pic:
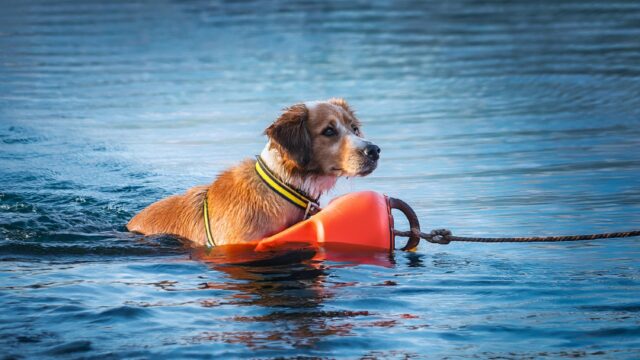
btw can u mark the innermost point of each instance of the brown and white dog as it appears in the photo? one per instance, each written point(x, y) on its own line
point(310, 145)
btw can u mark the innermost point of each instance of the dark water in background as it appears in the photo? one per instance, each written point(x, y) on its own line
point(495, 118)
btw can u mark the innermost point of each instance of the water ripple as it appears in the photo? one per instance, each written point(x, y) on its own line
point(495, 118)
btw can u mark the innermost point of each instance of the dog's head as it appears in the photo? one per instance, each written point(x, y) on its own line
point(323, 138)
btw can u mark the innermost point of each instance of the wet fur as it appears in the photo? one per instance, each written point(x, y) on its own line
point(241, 207)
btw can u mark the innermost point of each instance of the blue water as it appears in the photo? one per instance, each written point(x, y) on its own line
point(494, 118)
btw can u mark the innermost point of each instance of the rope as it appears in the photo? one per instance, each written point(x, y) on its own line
point(444, 236)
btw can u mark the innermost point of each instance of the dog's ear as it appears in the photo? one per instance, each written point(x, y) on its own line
point(343, 104)
point(289, 134)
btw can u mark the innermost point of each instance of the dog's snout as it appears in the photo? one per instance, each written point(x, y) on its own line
point(372, 151)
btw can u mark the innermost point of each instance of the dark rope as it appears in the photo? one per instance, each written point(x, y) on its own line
point(443, 237)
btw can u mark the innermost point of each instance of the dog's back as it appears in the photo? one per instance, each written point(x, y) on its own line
point(241, 208)
point(177, 215)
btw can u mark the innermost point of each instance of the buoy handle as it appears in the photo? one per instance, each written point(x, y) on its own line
point(414, 223)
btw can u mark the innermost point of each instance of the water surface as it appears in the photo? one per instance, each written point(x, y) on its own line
point(495, 118)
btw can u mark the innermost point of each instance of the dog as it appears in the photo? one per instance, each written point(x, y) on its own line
point(309, 147)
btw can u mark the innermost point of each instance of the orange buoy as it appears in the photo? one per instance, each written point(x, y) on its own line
point(361, 218)
point(359, 222)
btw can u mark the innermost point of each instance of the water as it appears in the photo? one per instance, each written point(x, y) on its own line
point(495, 118)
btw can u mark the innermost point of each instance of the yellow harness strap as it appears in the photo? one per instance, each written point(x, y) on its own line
point(310, 206)
point(210, 242)
point(295, 197)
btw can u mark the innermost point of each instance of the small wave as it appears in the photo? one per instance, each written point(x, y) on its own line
point(92, 245)
point(122, 313)
point(71, 347)
point(18, 135)
point(633, 307)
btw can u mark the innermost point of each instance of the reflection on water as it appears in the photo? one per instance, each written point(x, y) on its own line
point(296, 289)
point(495, 118)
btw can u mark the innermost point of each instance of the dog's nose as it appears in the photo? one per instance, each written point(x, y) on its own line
point(372, 151)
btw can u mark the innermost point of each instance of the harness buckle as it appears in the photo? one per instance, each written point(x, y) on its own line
point(312, 209)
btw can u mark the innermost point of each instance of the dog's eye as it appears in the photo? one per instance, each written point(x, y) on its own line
point(329, 132)
point(355, 129)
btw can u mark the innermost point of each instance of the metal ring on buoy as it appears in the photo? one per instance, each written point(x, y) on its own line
point(414, 223)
